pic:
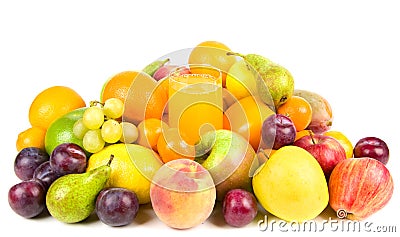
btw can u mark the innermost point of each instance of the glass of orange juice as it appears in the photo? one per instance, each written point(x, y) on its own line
point(195, 101)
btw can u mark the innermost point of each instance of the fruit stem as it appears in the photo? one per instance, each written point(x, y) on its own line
point(165, 61)
point(235, 54)
point(95, 103)
point(312, 137)
point(110, 160)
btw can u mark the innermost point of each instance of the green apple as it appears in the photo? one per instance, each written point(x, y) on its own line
point(229, 158)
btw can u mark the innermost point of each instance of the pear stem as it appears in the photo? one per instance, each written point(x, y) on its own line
point(110, 160)
point(235, 54)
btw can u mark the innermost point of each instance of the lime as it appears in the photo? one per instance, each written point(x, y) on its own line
point(61, 130)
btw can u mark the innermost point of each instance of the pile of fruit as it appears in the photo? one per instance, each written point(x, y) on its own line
point(276, 148)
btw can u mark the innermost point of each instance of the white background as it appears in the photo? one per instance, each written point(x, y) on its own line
point(347, 51)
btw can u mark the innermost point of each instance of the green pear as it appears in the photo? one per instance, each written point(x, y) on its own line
point(275, 84)
point(154, 66)
point(72, 198)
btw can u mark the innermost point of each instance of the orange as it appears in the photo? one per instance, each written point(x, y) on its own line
point(51, 104)
point(157, 100)
point(302, 133)
point(343, 140)
point(31, 137)
point(298, 110)
point(213, 53)
point(149, 131)
point(246, 117)
point(171, 146)
point(118, 86)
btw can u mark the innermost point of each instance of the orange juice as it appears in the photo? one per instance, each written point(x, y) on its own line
point(195, 102)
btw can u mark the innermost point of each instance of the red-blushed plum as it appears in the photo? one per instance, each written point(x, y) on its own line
point(45, 174)
point(372, 147)
point(239, 207)
point(27, 198)
point(278, 130)
point(27, 160)
point(68, 158)
point(117, 206)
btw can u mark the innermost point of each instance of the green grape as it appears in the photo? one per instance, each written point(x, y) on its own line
point(129, 133)
point(111, 131)
point(113, 108)
point(92, 141)
point(93, 117)
point(79, 129)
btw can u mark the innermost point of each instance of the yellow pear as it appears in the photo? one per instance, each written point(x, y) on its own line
point(291, 185)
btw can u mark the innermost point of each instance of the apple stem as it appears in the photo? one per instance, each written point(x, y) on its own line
point(312, 137)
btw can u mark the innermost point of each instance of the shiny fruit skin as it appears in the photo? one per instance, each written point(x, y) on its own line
point(27, 160)
point(68, 158)
point(27, 198)
point(239, 207)
point(46, 174)
point(116, 206)
point(359, 187)
point(326, 150)
point(278, 130)
point(372, 147)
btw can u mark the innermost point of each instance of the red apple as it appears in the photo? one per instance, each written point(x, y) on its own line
point(359, 188)
point(326, 150)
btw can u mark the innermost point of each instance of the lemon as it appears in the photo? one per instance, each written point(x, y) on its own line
point(61, 130)
point(291, 185)
point(343, 140)
point(133, 167)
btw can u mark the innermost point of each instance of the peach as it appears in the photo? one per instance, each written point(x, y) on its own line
point(182, 194)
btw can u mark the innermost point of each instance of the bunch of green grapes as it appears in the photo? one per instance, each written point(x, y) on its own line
point(99, 126)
